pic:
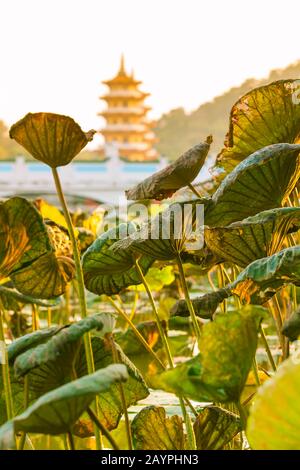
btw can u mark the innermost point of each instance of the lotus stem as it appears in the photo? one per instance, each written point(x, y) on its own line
point(26, 402)
point(49, 316)
point(35, 318)
point(80, 282)
point(5, 369)
point(102, 429)
point(255, 371)
point(136, 332)
point(188, 300)
point(116, 360)
point(186, 416)
point(155, 312)
point(133, 309)
point(243, 414)
point(71, 441)
point(194, 190)
point(267, 348)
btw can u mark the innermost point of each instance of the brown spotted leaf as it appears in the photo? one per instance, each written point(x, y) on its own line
point(267, 115)
point(46, 277)
point(254, 237)
point(23, 235)
point(215, 427)
point(51, 138)
point(153, 430)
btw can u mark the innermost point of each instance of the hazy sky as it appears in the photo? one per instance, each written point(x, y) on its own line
point(54, 53)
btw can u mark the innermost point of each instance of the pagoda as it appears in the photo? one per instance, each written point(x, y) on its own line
point(127, 130)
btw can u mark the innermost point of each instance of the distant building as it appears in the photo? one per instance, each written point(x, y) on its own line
point(128, 134)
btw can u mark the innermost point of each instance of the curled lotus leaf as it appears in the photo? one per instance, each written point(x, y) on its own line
point(204, 306)
point(262, 278)
point(176, 175)
point(254, 237)
point(107, 271)
point(262, 181)
point(51, 138)
point(266, 115)
point(169, 233)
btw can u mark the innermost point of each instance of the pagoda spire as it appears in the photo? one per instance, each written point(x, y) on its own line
point(122, 66)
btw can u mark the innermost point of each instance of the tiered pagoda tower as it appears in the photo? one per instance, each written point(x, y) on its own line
point(127, 129)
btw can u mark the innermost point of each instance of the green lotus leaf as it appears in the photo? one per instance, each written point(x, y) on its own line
point(62, 357)
point(45, 278)
point(215, 427)
point(17, 393)
point(274, 421)
point(13, 297)
point(107, 271)
point(262, 181)
point(204, 306)
point(31, 340)
point(291, 326)
point(255, 237)
point(267, 115)
point(23, 235)
point(153, 430)
point(219, 373)
point(57, 411)
point(168, 234)
point(110, 402)
point(51, 138)
point(176, 175)
point(263, 277)
point(62, 344)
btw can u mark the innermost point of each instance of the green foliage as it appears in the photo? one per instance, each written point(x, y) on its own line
point(179, 130)
point(57, 411)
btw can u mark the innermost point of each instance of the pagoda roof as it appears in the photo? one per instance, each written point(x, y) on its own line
point(122, 78)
